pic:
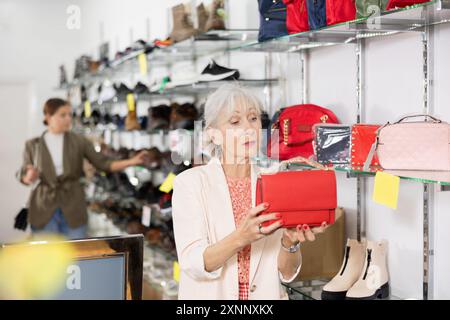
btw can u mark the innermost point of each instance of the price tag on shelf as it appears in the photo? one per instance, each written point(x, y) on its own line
point(167, 185)
point(130, 102)
point(146, 216)
point(385, 190)
point(143, 67)
point(176, 271)
point(87, 109)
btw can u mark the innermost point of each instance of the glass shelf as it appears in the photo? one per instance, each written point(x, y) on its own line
point(198, 88)
point(435, 177)
point(409, 19)
point(311, 290)
point(212, 42)
point(215, 41)
point(206, 87)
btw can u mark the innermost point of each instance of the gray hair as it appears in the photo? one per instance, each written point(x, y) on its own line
point(225, 98)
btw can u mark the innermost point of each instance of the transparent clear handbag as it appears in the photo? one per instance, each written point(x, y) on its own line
point(332, 143)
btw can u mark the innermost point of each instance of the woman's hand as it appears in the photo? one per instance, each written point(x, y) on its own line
point(31, 175)
point(140, 158)
point(250, 231)
point(302, 234)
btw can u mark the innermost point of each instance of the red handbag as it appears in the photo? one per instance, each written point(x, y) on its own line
point(296, 16)
point(392, 4)
point(291, 130)
point(340, 11)
point(302, 197)
point(363, 137)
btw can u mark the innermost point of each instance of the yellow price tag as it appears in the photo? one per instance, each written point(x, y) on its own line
point(176, 271)
point(87, 109)
point(130, 102)
point(143, 67)
point(386, 189)
point(167, 185)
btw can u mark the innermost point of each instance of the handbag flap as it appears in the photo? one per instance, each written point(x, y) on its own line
point(298, 190)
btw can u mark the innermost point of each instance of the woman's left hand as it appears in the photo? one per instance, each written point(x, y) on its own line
point(140, 158)
point(302, 233)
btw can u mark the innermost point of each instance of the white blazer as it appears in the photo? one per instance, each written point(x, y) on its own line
point(202, 215)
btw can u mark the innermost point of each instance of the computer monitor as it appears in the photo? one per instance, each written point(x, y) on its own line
point(108, 268)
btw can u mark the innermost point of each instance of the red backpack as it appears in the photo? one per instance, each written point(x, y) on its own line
point(295, 135)
point(297, 16)
point(340, 11)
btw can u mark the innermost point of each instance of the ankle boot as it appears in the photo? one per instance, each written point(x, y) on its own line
point(182, 27)
point(202, 16)
point(350, 270)
point(373, 282)
point(131, 121)
point(215, 21)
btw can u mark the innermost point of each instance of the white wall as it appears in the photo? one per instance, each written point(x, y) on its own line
point(34, 42)
point(13, 97)
point(442, 199)
point(393, 87)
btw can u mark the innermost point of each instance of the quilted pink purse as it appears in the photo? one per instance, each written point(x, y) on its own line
point(423, 145)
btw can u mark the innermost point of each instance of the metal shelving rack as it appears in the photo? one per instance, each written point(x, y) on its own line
point(418, 19)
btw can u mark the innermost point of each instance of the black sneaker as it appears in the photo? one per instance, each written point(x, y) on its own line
point(215, 72)
point(141, 88)
point(122, 90)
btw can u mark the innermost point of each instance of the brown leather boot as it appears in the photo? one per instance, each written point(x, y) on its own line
point(202, 16)
point(182, 27)
point(131, 122)
point(215, 20)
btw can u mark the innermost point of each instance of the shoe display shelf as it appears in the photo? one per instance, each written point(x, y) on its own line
point(410, 19)
point(211, 43)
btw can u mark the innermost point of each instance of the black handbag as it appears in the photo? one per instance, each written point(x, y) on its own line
point(21, 219)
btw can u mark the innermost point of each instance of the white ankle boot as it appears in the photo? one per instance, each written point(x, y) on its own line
point(349, 273)
point(373, 282)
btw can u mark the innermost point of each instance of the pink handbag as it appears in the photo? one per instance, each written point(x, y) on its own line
point(422, 145)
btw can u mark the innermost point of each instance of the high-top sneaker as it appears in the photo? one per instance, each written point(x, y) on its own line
point(373, 282)
point(350, 270)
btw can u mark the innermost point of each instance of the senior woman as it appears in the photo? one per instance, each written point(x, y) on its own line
point(223, 251)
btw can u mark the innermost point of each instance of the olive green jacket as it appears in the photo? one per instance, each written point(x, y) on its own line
point(65, 191)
